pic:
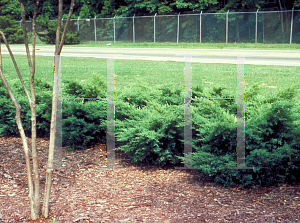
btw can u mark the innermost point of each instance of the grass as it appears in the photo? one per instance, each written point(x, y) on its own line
point(253, 46)
point(194, 45)
point(155, 73)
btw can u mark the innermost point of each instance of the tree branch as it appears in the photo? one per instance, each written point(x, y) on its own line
point(25, 35)
point(66, 27)
point(16, 66)
point(58, 27)
point(17, 105)
point(58, 49)
point(20, 127)
point(33, 36)
point(33, 120)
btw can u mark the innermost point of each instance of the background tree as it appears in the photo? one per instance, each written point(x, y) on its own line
point(11, 7)
point(34, 191)
point(12, 30)
point(109, 8)
point(49, 35)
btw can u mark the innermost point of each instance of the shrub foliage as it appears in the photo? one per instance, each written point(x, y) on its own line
point(150, 127)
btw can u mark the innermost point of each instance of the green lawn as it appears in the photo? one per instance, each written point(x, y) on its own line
point(196, 45)
point(183, 45)
point(155, 73)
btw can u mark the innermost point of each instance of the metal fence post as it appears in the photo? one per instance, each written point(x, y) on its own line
point(200, 26)
point(227, 27)
point(263, 29)
point(133, 33)
point(115, 29)
point(178, 28)
point(95, 29)
point(292, 19)
point(154, 26)
point(78, 24)
point(256, 27)
point(31, 25)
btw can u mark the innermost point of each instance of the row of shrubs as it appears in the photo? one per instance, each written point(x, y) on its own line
point(150, 127)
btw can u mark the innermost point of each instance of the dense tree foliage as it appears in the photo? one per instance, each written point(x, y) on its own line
point(12, 30)
point(271, 28)
point(109, 8)
point(50, 34)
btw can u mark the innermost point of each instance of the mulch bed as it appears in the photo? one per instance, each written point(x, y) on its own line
point(81, 192)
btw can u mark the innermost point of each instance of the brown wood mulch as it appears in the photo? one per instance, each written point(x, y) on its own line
point(81, 192)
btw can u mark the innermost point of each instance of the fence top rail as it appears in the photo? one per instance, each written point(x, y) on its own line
point(86, 19)
point(94, 18)
point(143, 16)
point(196, 14)
point(187, 14)
point(277, 11)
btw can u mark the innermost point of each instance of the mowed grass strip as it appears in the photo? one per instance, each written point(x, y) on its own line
point(155, 73)
point(245, 46)
point(194, 45)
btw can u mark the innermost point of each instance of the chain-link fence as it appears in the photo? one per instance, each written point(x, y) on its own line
point(231, 27)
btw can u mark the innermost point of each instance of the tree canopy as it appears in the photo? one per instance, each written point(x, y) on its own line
point(109, 8)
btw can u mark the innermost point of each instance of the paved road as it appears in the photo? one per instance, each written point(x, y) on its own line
point(258, 57)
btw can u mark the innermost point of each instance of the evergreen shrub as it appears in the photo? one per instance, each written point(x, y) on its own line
point(96, 87)
point(81, 122)
point(83, 125)
point(153, 135)
point(150, 127)
point(84, 122)
point(272, 129)
point(8, 125)
point(151, 130)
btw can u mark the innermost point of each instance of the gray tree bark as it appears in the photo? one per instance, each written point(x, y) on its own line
point(34, 196)
point(33, 191)
point(58, 48)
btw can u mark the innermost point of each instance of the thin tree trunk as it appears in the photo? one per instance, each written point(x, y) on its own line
point(58, 48)
point(20, 127)
point(32, 106)
point(49, 168)
point(34, 194)
point(33, 122)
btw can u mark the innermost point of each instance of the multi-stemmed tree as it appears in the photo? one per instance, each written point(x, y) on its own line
point(34, 191)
